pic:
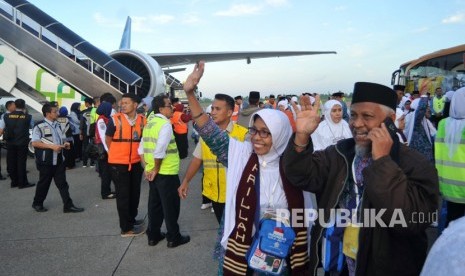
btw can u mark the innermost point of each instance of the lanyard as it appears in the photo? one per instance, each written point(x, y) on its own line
point(357, 192)
point(271, 196)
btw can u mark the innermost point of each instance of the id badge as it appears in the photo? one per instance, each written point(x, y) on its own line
point(135, 135)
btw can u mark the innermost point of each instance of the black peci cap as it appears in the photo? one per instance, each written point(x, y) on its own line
point(374, 93)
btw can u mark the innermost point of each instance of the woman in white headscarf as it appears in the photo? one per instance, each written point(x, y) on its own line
point(419, 130)
point(449, 154)
point(333, 128)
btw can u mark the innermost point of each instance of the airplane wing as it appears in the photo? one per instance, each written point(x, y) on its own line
point(177, 59)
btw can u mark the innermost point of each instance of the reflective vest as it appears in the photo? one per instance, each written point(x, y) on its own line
point(178, 124)
point(451, 170)
point(214, 173)
point(93, 115)
point(45, 156)
point(170, 164)
point(438, 104)
point(235, 114)
point(125, 141)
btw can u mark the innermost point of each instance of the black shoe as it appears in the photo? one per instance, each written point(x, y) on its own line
point(13, 186)
point(179, 241)
point(2, 177)
point(28, 185)
point(73, 209)
point(157, 240)
point(39, 208)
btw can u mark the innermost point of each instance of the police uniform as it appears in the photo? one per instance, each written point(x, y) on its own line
point(16, 135)
point(50, 163)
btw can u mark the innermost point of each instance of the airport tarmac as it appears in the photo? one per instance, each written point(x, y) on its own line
point(89, 243)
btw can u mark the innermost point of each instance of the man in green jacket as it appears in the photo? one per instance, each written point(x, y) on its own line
point(390, 191)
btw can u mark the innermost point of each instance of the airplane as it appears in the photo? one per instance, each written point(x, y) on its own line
point(73, 65)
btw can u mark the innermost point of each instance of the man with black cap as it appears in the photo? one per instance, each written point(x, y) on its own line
point(246, 113)
point(379, 183)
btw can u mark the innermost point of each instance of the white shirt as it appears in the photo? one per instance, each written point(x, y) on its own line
point(102, 128)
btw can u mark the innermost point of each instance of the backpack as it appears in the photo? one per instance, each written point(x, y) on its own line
point(270, 247)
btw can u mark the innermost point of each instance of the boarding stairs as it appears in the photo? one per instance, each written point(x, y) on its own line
point(64, 54)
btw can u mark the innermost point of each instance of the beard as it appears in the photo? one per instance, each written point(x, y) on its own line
point(363, 151)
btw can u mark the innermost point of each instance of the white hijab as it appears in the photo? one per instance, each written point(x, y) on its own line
point(455, 124)
point(270, 180)
point(410, 123)
point(329, 132)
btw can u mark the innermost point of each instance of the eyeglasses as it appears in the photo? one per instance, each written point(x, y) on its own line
point(170, 106)
point(261, 133)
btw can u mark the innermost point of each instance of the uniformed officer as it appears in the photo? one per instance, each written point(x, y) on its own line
point(10, 107)
point(48, 141)
point(123, 135)
point(16, 135)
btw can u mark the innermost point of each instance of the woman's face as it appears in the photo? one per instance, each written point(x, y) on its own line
point(336, 113)
point(261, 145)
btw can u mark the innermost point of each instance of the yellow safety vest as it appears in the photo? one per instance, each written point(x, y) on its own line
point(438, 104)
point(214, 173)
point(170, 164)
point(451, 170)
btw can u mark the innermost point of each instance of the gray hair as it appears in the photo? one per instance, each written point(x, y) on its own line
point(387, 110)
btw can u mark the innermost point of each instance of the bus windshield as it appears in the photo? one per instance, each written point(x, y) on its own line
point(444, 68)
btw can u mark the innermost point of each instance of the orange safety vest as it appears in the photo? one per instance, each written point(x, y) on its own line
point(235, 114)
point(178, 124)
point(125, 141)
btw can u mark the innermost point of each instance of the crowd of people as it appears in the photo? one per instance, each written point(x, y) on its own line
point(386, 158)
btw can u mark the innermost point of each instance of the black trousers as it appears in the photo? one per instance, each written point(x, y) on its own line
point(46, 174)
point(16, 158)
point(105, 177)
point(219, 209)
point(127, 188)
point(86, 143)
point(77, 147)
point(164, 204)
point(182, 143)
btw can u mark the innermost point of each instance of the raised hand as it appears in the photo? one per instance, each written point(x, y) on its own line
point(307, 119)
point(194, 78)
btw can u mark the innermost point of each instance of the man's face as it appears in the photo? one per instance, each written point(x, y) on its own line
point(12, 107)
point(53, 115)
point(128, 106)
point(167, 109)
point(439, 92)
point(271, 100)
point(221, 113)
point(364, 117)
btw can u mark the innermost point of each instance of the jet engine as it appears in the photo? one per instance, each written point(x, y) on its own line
point(153, 78)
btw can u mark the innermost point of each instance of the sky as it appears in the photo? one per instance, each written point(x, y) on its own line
point(371, 38)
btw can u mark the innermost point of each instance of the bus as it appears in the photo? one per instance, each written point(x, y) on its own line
point(443, 68)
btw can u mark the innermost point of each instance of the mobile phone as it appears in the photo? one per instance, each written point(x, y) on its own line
point(391, 127)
